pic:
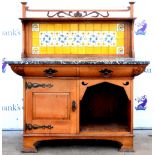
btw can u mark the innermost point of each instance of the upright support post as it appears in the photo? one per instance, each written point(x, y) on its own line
point(23, 9)
point(132, 28)
point(131, 8)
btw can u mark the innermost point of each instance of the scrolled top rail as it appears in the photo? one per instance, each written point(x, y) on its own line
point(76, 13)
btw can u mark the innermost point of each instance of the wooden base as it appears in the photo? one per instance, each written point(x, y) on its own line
point(30, 141)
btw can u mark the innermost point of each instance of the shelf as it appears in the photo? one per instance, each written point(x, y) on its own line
point(112, 127)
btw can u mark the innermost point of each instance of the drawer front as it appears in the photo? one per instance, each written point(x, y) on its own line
point(48, 106)
point(50, 71)
point(105, 71)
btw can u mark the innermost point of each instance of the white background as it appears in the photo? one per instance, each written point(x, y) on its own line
point(10, 47)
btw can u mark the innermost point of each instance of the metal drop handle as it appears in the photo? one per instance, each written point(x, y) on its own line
point(50, 72)
point(106, 72)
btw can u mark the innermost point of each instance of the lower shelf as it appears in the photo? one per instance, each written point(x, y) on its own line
point(112, 127)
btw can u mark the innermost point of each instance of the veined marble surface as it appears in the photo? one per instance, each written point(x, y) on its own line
point(78, 60)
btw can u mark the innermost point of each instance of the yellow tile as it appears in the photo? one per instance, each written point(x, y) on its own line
point(97, 50)
point(120, 42)
point(74, 27)
point(89, 50)
point(50, 50)
point(105, 27)
point(112, 50)
point(58, 50)
point(89, 27)
point(112, 27)
point(105, 50)
point(43, 50)
point(43, 27)
point(97, 27)
point(35, 42)
point(58, 27)
point(66, 50)
point(50, 27)
point(73, 50)
point(66, 27)
point(120, 34)
point(81, 50)
point(82, 27)
point(35, 34)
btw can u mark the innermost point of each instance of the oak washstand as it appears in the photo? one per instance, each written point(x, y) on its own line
point(78, 69)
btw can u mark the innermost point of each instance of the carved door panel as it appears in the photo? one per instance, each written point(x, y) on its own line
point(50, 106)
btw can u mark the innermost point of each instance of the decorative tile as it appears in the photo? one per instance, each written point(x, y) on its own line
point(62, 39)
point(77, 38)
point(35, 27)
point(109, 39)
point(35, 50)
point(93, 39)
point(120, 50)
point(46, 38)
point(88, 39)
point(120, 27)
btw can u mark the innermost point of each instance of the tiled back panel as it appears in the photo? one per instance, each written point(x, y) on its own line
point(80, 38)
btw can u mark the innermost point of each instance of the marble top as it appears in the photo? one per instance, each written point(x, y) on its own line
point(78, 61)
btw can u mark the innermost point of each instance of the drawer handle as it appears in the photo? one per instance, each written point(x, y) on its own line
point(31, 126)
point(50, 72)
point(106, 72)
point(73, 106)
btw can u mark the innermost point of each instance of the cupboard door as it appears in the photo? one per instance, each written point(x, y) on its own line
point(50, 106)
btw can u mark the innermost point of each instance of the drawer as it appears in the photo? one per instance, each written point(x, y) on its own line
point(105, 71)
point(49, 71)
